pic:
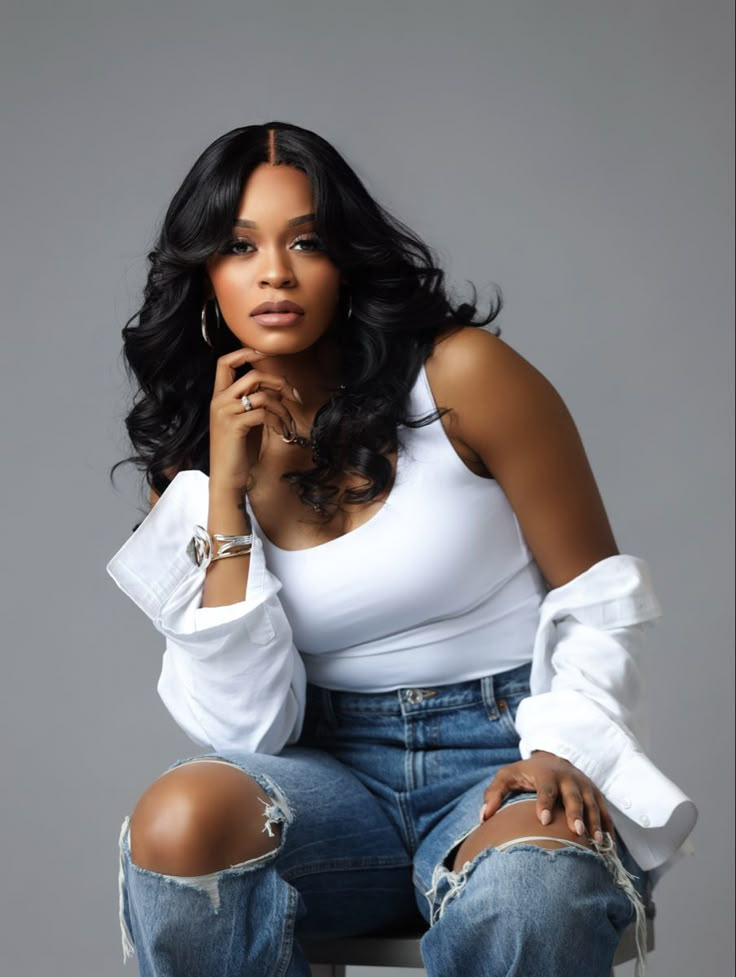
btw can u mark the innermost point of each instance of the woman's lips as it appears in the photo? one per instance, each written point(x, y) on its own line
point(278, 318)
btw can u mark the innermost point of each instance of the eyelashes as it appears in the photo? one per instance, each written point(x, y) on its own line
point(239, 246)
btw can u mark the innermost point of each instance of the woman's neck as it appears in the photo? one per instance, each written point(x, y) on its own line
point(316, 373)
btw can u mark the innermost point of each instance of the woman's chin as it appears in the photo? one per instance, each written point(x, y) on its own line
point(280, 342)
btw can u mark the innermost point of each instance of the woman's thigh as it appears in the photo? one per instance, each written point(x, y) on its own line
point(337, 849)
point(527, 909)
point(433, 862)
point(514, 903)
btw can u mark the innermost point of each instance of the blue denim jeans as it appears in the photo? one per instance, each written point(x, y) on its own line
point(373, 800)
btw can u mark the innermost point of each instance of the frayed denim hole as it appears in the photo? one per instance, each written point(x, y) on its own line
point(123, 848)
point(449, 857)
point(452, 882)
point(208, 884)
point(443, 871)
point(277, 810)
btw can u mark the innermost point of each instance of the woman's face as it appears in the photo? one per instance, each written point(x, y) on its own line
point(275, 256)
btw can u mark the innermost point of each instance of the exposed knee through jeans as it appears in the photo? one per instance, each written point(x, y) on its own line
point(520, 910)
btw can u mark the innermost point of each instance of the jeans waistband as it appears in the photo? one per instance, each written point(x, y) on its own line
point(489, 690)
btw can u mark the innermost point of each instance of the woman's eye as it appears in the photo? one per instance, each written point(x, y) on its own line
point(238, 246)
point(312, 243)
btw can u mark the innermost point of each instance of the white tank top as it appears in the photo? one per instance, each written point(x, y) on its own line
point(439, 586)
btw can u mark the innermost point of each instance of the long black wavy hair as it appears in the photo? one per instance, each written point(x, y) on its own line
point(399, 305)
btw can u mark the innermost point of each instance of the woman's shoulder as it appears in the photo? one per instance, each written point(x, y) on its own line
point(510, 417)
point(469, 365)
point(497, 401)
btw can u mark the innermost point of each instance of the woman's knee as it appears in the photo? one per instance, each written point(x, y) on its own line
point(201, 817)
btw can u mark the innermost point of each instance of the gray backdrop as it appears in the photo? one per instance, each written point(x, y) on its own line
point(577, 152)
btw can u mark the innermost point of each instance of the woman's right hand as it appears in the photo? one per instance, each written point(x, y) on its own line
point(235, 434)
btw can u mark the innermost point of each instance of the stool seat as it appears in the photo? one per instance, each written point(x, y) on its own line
point(402, 950)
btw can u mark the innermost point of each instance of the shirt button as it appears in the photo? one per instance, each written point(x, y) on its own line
point(645, 821)
point(627, 803)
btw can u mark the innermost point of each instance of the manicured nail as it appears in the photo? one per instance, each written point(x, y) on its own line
point(598, 837)
point(297, 396)
point(483, 813)
point(545, 817)
point(579, 827)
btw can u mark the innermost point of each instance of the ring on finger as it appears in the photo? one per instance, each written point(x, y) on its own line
point(245, 401)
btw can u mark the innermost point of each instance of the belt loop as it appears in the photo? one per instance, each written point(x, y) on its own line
point(489, 696)
point(328, 710)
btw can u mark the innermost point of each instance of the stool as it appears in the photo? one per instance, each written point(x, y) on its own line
point(330, 958)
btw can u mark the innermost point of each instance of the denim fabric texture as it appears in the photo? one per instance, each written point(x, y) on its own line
point(373, 800)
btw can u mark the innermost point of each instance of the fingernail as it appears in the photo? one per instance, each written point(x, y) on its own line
point(297, 396)
point(579, 827)
point(483, 813)
point(545, 817)
point(598, 837)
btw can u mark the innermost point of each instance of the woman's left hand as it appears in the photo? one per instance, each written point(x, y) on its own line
point(554, 781)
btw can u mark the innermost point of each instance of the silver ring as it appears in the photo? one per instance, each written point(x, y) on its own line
point(246, 403)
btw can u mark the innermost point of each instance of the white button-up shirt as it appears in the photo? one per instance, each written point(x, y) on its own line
point(233, 679)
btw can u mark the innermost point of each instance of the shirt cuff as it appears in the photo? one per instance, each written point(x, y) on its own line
point(155, 570)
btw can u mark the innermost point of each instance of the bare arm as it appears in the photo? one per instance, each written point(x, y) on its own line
point(514, 421)
point(508, 419)
point(234, 440)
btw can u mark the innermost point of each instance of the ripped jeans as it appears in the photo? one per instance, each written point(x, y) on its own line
point(373, 801)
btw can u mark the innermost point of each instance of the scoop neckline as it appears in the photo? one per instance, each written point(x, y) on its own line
point(421, 377)
point(337, 539)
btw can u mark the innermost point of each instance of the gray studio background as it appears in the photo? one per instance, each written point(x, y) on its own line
point(577, 152)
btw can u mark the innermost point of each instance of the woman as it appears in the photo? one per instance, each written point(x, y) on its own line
point(394, 610)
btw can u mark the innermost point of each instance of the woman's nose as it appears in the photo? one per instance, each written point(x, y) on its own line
point(277, 271)
point(277, 281)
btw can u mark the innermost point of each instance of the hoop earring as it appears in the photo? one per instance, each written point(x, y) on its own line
point(203, 321)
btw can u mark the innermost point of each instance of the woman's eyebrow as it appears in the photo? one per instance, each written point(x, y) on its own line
point(303, 219)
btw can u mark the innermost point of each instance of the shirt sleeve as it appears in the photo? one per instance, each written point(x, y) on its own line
point(587, 704)
point(231, 676)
